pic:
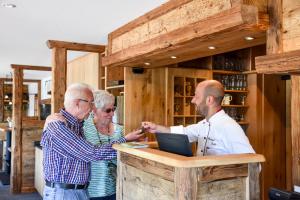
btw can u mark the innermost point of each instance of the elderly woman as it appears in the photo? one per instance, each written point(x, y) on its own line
point(99, 129)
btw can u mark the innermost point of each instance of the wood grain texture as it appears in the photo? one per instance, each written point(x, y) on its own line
point(1, 100)
point(29, 135)
point(273, 132)
point(214, 173)
point(175, 160)
point(275, 32)
point(295, 129)
point(193, 38)
point(286, 62)
point(31, 67)
point(137, 185)
point(254, 186)
point(158, 169)
point(178, 17)
point(186, 183)
point(84, 69)
point(59, 77)
point(291, 34)
point(74, 46)
point(145, 96)
point(231, 189)
point(16, 143)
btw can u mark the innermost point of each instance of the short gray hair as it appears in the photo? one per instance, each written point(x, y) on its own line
point(103, 98)
point(75, 91)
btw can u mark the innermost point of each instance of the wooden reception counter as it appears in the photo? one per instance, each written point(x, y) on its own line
point(149, 173)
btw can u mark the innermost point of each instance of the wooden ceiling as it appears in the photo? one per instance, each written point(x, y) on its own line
point(226, 30)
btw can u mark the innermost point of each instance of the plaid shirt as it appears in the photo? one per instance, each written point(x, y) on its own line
point(67, 155)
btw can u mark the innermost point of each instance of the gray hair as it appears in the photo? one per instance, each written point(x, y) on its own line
point(103, 98)
point(76, 91)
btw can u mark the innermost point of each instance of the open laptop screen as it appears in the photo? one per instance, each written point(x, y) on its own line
point(174, 143)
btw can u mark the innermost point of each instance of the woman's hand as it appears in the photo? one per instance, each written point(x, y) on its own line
point(54, 117)
point(134, 135)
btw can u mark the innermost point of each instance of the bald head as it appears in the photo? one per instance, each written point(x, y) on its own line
point(212, 88)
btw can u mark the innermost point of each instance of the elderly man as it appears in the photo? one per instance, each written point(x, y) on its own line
point(67, 155)
point(218, 133)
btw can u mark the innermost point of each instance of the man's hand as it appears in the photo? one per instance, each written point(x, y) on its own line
point(149, 127)
point(153, 128)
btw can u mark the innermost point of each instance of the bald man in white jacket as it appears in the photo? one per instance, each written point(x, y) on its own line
point(218, 133)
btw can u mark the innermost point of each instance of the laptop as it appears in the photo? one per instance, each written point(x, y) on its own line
point(174, 143)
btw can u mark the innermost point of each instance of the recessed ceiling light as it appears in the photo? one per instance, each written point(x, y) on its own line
point(146, 63)
point(211, 47)
point(173, 57)
point(10, 103)
point(6, 97)
point(249, 38)
point(8, 5)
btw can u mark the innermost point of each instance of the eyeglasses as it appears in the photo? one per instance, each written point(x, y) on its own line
point(90, 102)
point(108, 110)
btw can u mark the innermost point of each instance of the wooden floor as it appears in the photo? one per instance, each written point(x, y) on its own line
point(6, 195)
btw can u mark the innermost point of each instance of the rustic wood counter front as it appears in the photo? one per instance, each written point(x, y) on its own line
point(153, 174)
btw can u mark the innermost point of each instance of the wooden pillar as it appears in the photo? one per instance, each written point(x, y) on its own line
point(1, 100)
point(186, 183)
point(59, 78)
point(295, 119)
point(16, 143)
point(274, 32)
point(39, 100)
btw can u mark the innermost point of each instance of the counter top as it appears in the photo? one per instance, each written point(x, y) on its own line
point(183, 161)
point(4, 128)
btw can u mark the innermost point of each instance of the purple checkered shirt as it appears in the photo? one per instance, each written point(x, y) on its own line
point(67, 155)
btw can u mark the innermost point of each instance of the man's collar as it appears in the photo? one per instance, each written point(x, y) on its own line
point(216, 116)
point(70, 118)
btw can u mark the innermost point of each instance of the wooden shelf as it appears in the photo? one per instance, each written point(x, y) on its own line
point(235, 106)
point(114, 87)
point(226, 72)
point(236, 91)
point(243, 123)
point(45, 101)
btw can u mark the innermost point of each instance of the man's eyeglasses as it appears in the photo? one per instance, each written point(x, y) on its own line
point(90, 102)
point(108, 110)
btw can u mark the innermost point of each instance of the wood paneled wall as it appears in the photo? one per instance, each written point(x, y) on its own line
point(85, 69)
point(145, 97)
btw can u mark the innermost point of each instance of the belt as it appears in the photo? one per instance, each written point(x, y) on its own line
point(67, 186)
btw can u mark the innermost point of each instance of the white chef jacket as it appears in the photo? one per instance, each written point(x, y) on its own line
point(218, 136)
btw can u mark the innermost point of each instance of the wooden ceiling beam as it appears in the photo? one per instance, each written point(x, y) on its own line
point(240, 18)
point(24, 80)
point(287, 62)
point(73, 46)
point(31, 67)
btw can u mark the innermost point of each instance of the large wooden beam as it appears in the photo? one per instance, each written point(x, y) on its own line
point(59, 78)
point(226, 31)
point(1, 101)
point(274, 32)
point(24, 80)
point(73, 46)
point(16, 145)
point(31, 67)
point(278, 63)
